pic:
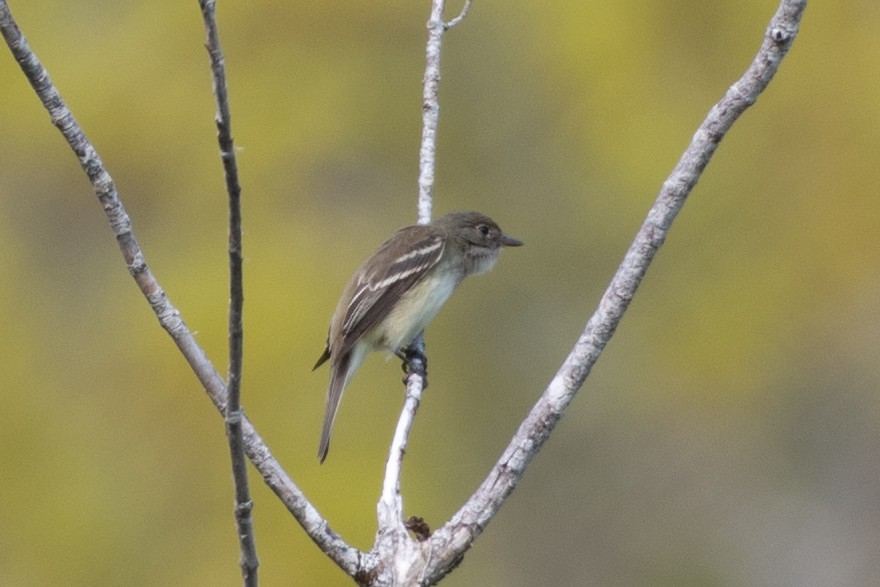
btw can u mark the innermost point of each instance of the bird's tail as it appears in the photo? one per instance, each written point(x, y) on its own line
point(338, 377)
point(341, 371)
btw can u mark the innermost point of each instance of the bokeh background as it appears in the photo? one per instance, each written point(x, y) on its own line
point(729, 435)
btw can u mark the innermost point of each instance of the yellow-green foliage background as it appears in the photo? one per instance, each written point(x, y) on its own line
point(730, 434)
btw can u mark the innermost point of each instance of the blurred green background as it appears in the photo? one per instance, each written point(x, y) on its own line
point(730, 434)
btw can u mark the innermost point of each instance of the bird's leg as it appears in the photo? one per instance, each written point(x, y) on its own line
point(414, 362)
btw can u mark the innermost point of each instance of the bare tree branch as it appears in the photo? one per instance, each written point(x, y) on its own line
point(451, 541)
point(403, 559)
point(347, 557)
point(243, 504)
point(430, 110)
point(461, 15)
point(397, 559)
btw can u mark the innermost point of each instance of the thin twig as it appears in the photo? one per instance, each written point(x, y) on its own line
point(403, 558)
point(243, 503)
point(390, 509)
point(430, 111)
point(461, 15)
point(451, 541)
point(348, 558)
point(390, 504)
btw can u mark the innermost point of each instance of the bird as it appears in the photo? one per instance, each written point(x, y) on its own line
point(399, 289)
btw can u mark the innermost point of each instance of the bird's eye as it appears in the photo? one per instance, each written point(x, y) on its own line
point(484, 230)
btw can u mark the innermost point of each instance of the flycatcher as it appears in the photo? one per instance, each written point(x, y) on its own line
point(399, 289)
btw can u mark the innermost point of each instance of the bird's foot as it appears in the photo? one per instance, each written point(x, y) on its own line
point(414, 363)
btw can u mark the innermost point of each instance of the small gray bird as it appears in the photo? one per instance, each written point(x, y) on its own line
point(398, 291)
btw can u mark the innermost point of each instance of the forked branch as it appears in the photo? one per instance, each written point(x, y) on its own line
point(433, 558)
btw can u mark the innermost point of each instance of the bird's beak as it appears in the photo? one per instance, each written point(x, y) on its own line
point(509, 241)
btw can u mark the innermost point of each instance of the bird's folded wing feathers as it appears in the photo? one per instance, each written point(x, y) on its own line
point(381, 285)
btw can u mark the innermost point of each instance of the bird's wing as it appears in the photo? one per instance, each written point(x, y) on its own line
point(380, 285)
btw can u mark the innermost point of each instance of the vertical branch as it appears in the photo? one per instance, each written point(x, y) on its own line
point(430, 111)
point(392, 539)
point(233, 416)
point(390, 509)
point(431, 104)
